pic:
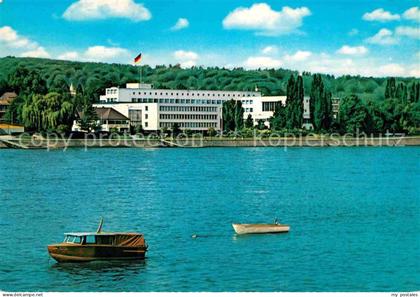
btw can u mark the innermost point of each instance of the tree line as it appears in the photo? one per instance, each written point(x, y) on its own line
point(44, 102)
point(398, 112)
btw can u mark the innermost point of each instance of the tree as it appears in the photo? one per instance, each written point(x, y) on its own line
point(233, 115)
point(27, 82)
point(249, 123)
point(175, 130)
point(278, 120)
point(261, 125)
point(88, 118)
point(320, 105)
point(211, 132)
point(290, 102)
point(401, 92)
point(390, 88)
point(414, 93)
point(352, 114)
point(47, 112)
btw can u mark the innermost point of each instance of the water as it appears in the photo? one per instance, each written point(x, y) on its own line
point(354, 216)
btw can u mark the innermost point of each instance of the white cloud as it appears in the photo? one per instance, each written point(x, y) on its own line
point(270, 50)
point(72, 56)
point(99, 53)
point(12, 39)
point(383, 37)
point(380, 15)
point(415, 72)
point(11, 43)
point(352, 50)
point(298, 56)
point(186, 59)
point(392, 69)
point(411, 32)
point(103, 9)
point(412, 13)
point(266, 21)
point(39, 52)
point(262, 62)
point(182, 23)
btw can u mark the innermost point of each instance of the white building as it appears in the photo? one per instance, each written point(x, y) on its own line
point(197, 110)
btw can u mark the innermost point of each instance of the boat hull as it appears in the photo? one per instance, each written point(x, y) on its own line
point(87, 253)
point(260, 228)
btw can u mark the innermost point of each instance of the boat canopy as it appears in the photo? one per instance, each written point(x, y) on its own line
point(101, 234)
point(117, 239)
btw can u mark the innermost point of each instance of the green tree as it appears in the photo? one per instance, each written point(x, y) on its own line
point(353, 114)
point(320, 105)
point(390, 88)
point(261, 125)
point(175, 130)
point(47, 112)
point(414, 93)
point(27, 82)
point(249, 123)
point(233, 115)
point(278, 120)
point(88, 118)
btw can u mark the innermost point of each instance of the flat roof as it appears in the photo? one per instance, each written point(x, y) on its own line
point(100, 234)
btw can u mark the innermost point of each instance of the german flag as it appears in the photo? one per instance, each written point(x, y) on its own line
point(137, 59)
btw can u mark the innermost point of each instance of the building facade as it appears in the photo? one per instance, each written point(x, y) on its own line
point(5, 100)
point(197, 110)
point(109, 120)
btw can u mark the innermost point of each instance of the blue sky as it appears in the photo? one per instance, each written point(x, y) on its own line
point(366, 37)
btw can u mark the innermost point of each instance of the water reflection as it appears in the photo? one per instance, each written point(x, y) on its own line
point(118, 268)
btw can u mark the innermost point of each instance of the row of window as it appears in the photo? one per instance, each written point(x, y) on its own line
point(188, 116)
point(269, 106)
point(188, 125)
point(182, 101)
point(111, 91)
point(248, 109)
point(114, 122)
point(196, 94)
point(188, 108)
point(176, 101)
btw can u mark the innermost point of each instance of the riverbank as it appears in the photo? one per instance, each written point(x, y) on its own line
point(304, 141)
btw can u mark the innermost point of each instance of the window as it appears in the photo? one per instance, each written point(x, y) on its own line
point(146, 116)
point(146, 108)
point(90, 239)
point(146, 124)
point(269, 106)
point(73, 239)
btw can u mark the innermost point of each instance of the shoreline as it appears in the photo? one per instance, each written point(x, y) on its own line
point(322, 141)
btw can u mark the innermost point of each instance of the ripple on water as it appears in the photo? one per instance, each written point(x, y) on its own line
point(354, 218)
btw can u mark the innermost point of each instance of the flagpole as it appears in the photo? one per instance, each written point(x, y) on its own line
point(139, 74)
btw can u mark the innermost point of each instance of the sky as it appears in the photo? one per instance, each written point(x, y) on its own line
point(356, 37)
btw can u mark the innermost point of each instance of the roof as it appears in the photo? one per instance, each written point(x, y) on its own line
point(10, 126)
point(108, 113)
point(101, 234)
point(7, 98)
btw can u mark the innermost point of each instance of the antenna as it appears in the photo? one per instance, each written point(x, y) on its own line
point(101, 222)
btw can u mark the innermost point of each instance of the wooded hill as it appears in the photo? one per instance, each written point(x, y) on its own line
point(93, 78)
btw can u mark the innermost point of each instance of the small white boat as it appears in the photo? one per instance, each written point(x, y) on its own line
point(260, 228)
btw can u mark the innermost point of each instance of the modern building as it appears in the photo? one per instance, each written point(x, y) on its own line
point(5, 100)
point(197, 110)
point(109, 120)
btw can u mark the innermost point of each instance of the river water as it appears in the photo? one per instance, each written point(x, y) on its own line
point(353, 212)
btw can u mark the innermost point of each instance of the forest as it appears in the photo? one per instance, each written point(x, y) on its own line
point(43, 84)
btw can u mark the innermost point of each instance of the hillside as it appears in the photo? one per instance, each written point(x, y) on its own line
point(94, 77)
